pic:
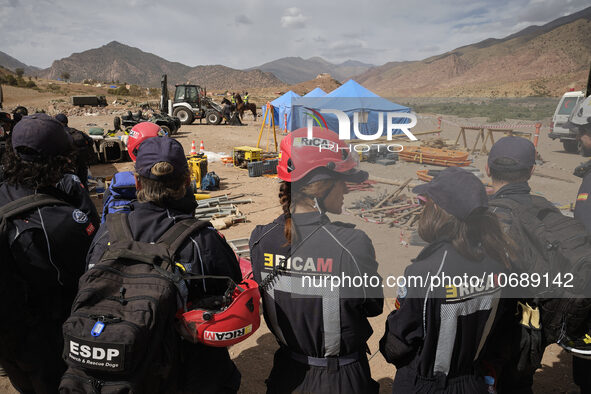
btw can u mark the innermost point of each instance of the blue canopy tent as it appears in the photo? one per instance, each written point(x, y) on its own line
point(349, 98)
point(281, 110)
point(316, 93)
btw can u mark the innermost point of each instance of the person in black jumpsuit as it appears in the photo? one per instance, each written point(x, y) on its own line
point(322, 333)
point(83, 144)
point(48, 247)
point(204, 369)
point(438, 337)
point(510, 164)
point(581, 366)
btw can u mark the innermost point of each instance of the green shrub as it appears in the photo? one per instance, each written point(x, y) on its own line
point(120, 91)
point(10, 80)
point(53, 87)
point(495, 110)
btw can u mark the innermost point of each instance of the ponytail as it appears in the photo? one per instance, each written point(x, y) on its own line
point(285, 201)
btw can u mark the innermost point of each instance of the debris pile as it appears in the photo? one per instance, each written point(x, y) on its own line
point(394, 209)
point(365, 186)
point(221, 211)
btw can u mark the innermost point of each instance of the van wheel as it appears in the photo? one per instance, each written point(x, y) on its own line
point(571, 146)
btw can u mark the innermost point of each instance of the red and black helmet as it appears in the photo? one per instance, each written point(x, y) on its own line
point(139, 133)
point(228, 324)
point(323, 156)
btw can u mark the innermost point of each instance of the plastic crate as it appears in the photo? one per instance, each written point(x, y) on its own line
point(270, 166)
point(255, 168)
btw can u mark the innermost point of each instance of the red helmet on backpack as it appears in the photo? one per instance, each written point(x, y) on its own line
point(324, 154)
point(227, 325)
point(139, 133)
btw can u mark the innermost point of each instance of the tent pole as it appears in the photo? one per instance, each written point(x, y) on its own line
point(263, 125)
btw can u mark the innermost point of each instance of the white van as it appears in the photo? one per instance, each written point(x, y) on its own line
point(567, 103)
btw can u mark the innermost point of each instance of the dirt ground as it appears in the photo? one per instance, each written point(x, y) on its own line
point(254, 356)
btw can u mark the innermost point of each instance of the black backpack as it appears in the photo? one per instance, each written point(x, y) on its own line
point(13, 287)
point(121, 335)
point(550, 242)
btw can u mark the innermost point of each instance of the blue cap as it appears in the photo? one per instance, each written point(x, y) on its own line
point(457, 191)
point(156, 150)
point(43, 134)
point(520, 154)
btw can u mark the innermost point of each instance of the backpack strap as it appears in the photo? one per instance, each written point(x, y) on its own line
point(174, 237)
point(505, 202)
point(119, 227)
point(27, 203)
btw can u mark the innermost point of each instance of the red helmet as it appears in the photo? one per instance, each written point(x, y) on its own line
point(229, 325)
point(139, 133)
point(324, 152)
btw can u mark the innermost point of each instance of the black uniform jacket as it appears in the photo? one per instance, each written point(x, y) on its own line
point(205, 252)
point(313, 320)
point(442, 331)
point(49, 245)
point(583, 204)
point(79, 197)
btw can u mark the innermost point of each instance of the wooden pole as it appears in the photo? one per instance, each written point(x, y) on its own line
point(394, 193)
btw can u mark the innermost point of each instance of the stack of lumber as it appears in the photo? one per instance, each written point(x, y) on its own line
point(435, 156)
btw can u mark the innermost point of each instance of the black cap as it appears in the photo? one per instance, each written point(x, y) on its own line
point(63, 119)
point(457, 191)
point(161, 149)
point(43, 134)
point(519, 154)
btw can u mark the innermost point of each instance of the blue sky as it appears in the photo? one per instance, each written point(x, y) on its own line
point(247, 33)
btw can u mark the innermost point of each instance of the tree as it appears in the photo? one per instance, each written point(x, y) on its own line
point(66, 76)
point(11, 80)
point(19, 72)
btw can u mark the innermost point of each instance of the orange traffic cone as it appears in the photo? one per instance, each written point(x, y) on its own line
point(193, 150)
point(201, 148)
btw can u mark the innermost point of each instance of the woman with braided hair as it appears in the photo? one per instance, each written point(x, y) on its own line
point(321, 329)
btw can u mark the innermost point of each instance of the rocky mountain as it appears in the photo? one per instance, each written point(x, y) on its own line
point(293, 70)
point(222, 77)
point(12, 64)
point(117, 62)
point(120, 62)
point(537, 61)
point(323, 81)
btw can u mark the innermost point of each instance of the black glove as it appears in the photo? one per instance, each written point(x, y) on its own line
point(582, 169)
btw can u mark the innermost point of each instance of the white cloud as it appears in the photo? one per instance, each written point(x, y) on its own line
point(260, 31)
point(294, 18)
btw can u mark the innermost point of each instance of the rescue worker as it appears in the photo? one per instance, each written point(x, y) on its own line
point(46, 251)
point(438, 336)
point(84, 149)
point(18, 113)
point(580, 123)
point(5, 127)
point(511, 162)
point(121, 190)
point(322, 334)
point(164, 198)
point(245, 98)
point(75, 182)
